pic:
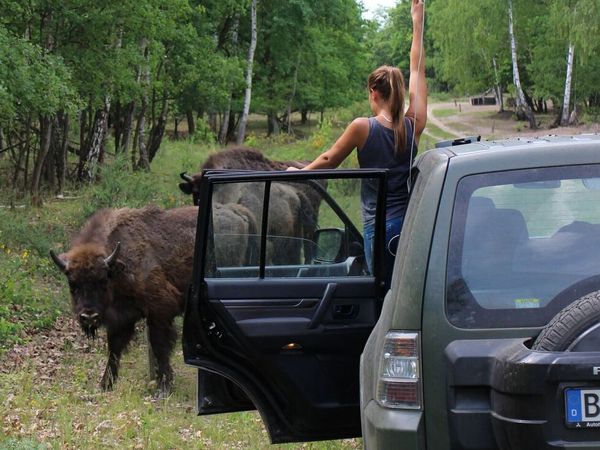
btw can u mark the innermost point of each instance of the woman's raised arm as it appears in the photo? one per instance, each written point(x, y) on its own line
point(417, 86)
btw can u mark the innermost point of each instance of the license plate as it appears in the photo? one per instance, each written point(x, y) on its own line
point(582, 408)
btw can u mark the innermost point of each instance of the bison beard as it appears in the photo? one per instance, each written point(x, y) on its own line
point(129, 264)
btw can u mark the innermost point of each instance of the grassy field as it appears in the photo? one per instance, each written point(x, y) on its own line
point(49, 373)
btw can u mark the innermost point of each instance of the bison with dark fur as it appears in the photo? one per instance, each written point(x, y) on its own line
point(293, 210)
point(129, 264)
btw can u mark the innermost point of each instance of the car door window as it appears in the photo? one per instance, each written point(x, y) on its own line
point(307, 228)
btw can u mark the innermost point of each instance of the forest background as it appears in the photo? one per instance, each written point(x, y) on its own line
point(103, 104)
point(80, 78)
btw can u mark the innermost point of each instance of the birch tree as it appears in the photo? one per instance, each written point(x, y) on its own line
point(523, 109)
point(564, 119)
point(250, 63)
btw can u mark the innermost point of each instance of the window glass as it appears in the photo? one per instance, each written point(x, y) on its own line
point(524, 244)
point(234, 233)
point(313, 229)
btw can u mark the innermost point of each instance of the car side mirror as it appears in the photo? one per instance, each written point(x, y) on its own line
point(329, 244)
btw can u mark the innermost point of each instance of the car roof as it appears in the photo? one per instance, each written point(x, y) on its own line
point(519, 152)
point(522, 143)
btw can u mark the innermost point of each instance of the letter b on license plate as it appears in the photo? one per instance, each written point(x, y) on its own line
point(582, 408)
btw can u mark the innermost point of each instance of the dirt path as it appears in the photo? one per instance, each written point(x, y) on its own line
point(437, 122)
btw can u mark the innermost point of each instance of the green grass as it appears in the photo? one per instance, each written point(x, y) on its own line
point(435, 131)
point(443, 113)
point(51, 398)
point(65, 409)
point(460, 126)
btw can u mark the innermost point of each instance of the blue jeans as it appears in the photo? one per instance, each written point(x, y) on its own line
point(393, 227)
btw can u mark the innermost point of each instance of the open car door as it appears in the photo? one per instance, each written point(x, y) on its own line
point(283, 298)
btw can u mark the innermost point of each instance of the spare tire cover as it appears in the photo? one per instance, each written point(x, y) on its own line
point(575, 328)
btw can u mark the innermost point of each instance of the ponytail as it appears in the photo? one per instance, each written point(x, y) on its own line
point(389, 82)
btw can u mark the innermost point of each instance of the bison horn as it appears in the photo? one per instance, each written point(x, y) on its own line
point(62, 265)
point(185, 177)
point(113, 256)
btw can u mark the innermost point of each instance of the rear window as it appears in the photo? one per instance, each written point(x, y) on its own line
point(523, 245)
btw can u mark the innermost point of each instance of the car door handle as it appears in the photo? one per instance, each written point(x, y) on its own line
point(323, 306)
point(345, 311)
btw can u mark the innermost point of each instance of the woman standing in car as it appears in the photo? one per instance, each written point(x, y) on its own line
point(387, 140)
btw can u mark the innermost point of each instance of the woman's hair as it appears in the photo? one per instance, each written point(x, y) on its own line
point(389, 83)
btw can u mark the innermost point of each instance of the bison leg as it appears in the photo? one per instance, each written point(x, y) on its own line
point(162, 340)
point(117, 342)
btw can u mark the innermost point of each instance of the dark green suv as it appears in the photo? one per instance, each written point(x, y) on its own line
point(488, 338)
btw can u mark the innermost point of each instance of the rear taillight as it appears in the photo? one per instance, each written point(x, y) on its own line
point(399, 383)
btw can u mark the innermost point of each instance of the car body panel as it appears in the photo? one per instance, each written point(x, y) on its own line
point(437, 332)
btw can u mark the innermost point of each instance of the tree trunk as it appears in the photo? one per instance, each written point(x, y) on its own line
point(304, 116)
point(95, 152)
point(248, 95)
point(63, 142)
point(127, 127)
point(523, 109)
point(289, 106)
point(232, 127)
point(158, 129)
point(564, 119)
point(189, 114)
point(23, 152)
point(176, 128)
point(213, 122)
point(140, 132)
point(225, 123)
point(225, 132)
point(45, 137)
point(118, 125)
point(498, 87)
point(273, 124)
point(85, 126)
point(48, 172)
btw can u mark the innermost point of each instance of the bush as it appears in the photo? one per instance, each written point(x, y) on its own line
point(118, 187)
point(591, 116)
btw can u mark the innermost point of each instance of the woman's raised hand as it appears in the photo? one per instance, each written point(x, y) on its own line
point(417, 10)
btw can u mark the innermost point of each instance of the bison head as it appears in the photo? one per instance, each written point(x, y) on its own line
point(191, 185)
point(88, 270)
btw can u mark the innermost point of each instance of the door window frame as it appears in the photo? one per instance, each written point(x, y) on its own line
point(213, 177)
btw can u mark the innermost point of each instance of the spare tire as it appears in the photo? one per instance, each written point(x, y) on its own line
point(571, 323)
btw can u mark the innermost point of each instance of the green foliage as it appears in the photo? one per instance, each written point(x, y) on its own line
point(391, 43)
point(31, 81)
point(26, 229)
point(119, 188)
point(467, 36)
point(310, 55)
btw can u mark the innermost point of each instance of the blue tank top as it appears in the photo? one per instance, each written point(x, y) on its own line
point(379, 152)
